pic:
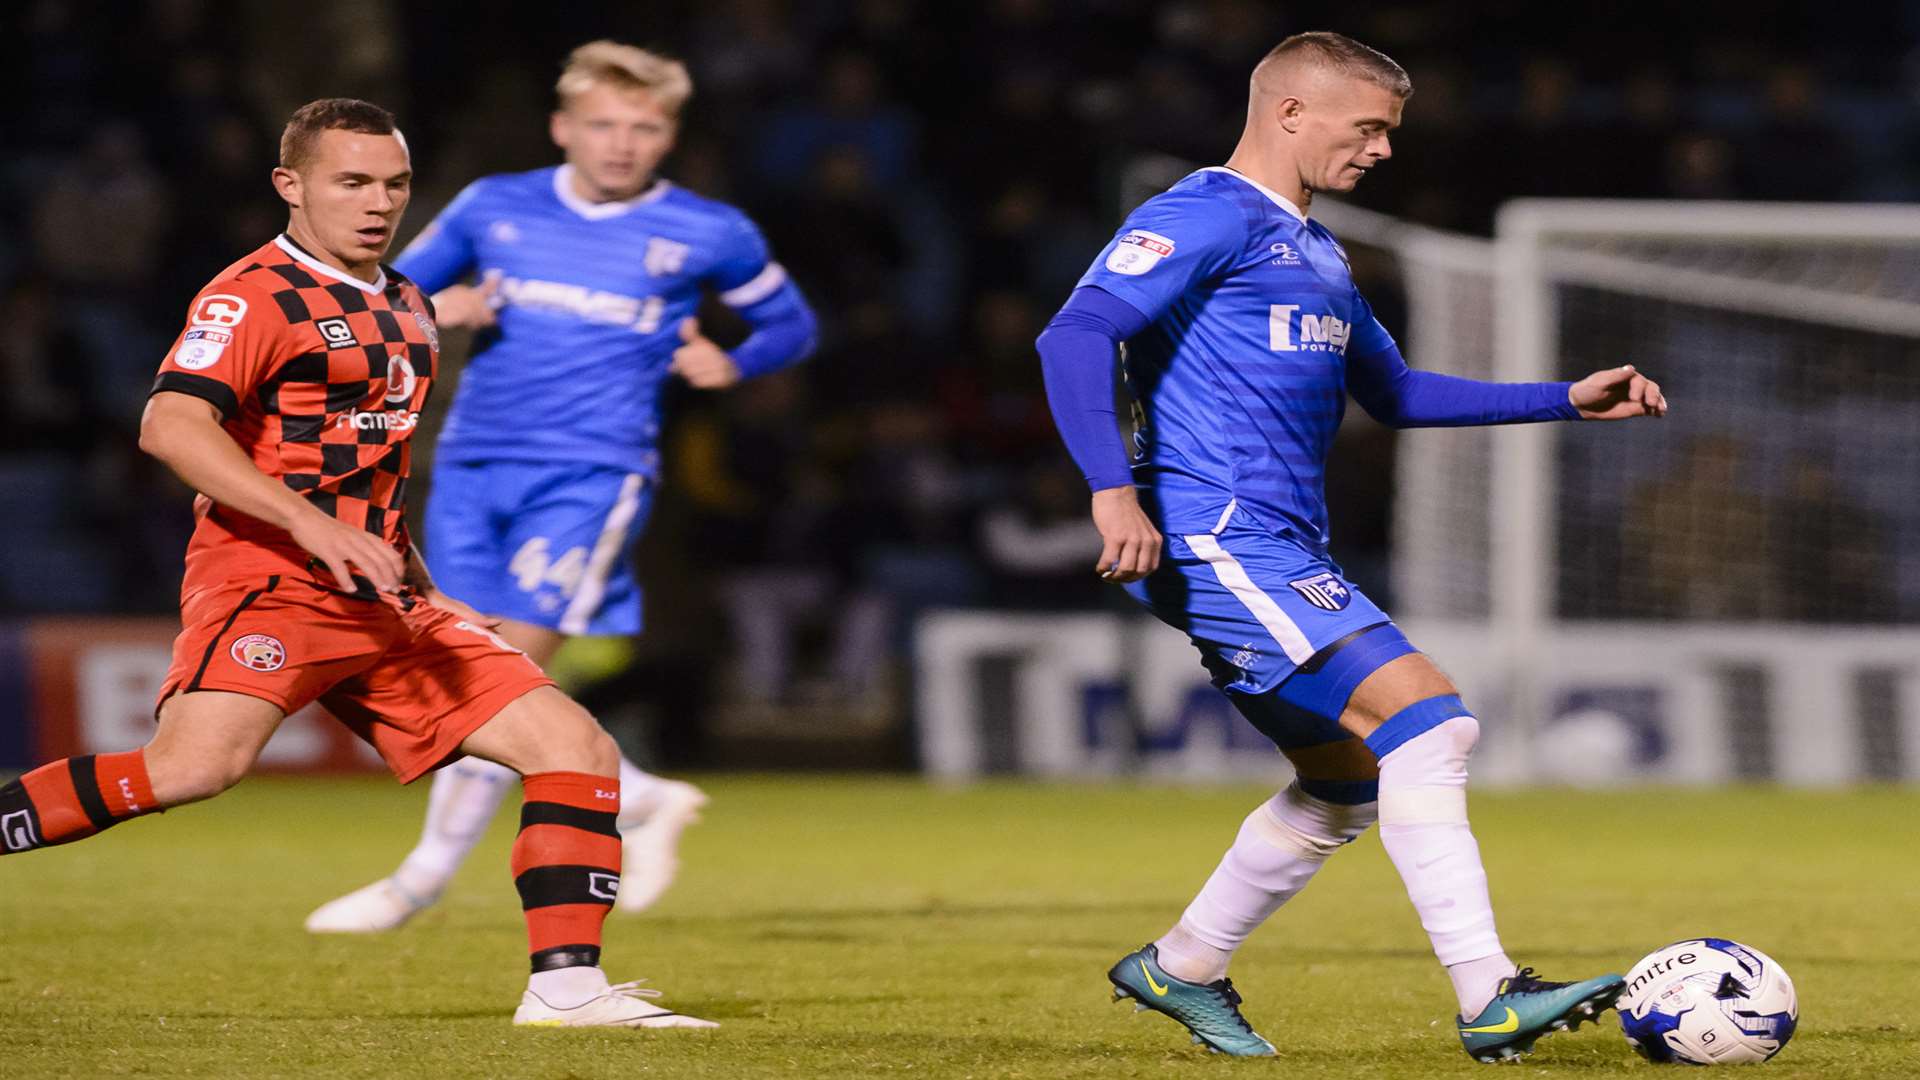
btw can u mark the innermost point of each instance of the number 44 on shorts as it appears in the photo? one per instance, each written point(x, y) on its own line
point(534, 566)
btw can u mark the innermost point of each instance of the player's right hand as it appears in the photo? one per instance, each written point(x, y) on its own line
point(467, 306)
point(1132, 544)
point(343, 548)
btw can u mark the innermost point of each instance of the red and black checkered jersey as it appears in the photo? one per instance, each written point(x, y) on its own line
point(320, 378)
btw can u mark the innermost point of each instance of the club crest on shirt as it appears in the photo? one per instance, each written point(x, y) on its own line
point(259, 652)
point(664, 256)
point(1138, 252)
point(1324, 591)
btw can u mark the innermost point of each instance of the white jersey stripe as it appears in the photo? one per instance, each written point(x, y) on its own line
point(1225, 516)
point(1285, 631)
point(606, 550)
point(764, 284)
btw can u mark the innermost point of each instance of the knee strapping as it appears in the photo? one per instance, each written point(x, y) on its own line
point(1423, 780)
point(1300, 822)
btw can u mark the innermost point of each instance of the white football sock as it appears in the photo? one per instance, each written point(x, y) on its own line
point(1423, 826)
point(1281, 845)
point(639, 794)
point(1476, 981)
point(463, 801)
point(568, 987)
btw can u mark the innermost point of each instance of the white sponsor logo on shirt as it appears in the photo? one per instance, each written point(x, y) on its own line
point(1318, 333)
point(1138, 252)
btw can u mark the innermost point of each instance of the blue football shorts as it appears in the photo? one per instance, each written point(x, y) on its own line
point(1278, 626)
point(547, 544)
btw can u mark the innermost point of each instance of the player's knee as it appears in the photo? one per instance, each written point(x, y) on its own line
point(1314, 818)
point(181, 775)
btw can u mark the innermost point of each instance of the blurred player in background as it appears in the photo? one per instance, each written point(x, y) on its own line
point(589, 276)
point(289, 403)
point(1243, 335)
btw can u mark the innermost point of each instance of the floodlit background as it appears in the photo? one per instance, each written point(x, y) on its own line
point(882, 558)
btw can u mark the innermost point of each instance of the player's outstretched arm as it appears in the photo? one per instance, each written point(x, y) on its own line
point(184, 432)
point(1619, 393)
point(467, 307)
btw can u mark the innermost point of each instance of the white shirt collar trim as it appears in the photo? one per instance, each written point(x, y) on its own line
point(593, 211)
point(377, 286)
point(1279, 200)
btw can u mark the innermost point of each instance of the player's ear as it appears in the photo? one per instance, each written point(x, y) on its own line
point(1290, 112)
point(557, 128)
point(287, 183)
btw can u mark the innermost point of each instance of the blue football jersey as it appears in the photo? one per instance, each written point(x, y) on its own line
point(590, 298)
point(1239, 382)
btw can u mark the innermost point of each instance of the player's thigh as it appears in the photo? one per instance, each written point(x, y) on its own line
point(545, 731)
point(442, 679)
point(1394, 686)
point(250, 652)
point(205, 742)
point(1259, 607)
point(568, 545)
point(538, 642)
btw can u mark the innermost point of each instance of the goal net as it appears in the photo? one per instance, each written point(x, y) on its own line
point(1731, 593)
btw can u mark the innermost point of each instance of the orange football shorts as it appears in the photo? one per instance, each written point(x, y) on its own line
point(412, 679)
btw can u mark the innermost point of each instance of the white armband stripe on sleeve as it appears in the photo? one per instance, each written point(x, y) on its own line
point(763, 285)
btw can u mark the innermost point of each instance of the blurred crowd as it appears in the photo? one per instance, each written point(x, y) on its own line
point(935, 176)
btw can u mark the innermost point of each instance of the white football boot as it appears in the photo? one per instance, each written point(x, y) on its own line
point(650, 850)
point(378, 907)
point(620, 1005)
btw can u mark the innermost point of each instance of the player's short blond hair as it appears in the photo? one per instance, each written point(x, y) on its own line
point(1340, 53)
point(625, 67)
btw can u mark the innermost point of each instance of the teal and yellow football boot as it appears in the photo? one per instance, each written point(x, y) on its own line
point(1211, 1012)
point(1526, 1008)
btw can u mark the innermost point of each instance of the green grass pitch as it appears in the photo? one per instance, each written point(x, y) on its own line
point(863, 927)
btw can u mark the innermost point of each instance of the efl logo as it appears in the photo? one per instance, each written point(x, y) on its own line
point(224, 310)
point(16, 829)
point(259, 652)
point(336, 332)
point(201, 349)
point(1138, 252)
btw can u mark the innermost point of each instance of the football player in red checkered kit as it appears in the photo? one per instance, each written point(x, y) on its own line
point(289, 402)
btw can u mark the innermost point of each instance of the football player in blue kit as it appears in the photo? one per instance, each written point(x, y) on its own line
point(1244, 335)
point(589, 274)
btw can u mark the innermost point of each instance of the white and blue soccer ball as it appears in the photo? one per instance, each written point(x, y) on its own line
point(1708, 1001)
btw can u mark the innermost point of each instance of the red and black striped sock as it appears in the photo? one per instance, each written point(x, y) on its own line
point(73, 799)
point(566, 864)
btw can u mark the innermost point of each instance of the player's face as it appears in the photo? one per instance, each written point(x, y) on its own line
point(1346, 127)
point(614, 139)
point(349, 195)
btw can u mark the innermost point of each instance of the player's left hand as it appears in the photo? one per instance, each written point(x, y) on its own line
point(702, 363)
point(1617, 394)
point(447, 603)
